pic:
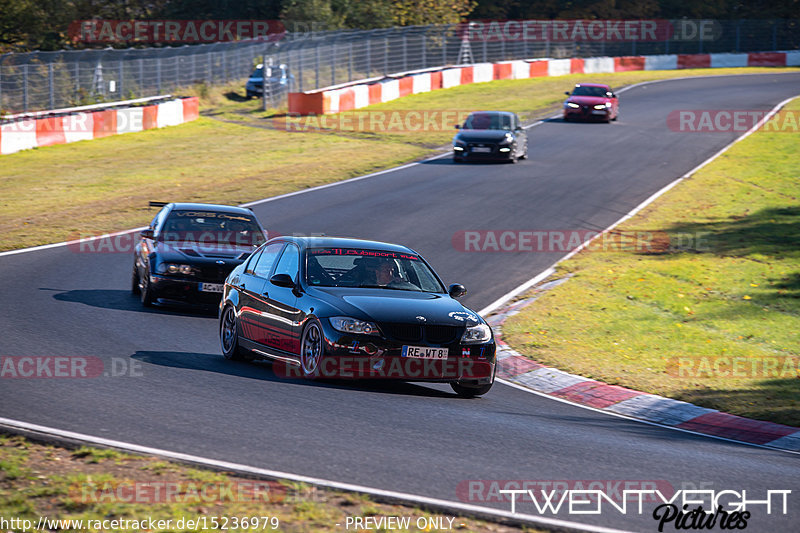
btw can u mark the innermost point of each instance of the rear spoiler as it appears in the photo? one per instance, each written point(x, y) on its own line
point(158, 204)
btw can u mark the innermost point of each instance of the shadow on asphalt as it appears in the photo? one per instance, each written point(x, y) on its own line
point(449, 161)
point(263, 370)
point(125, 301)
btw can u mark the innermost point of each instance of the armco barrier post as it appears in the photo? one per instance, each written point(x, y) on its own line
point(405, 53)
point(444, 46)
point(50, 86)
point(25, 88)
point(369, 58)
point(333, 62)
point(386, 55)
point(350, 61)
point(316, 66)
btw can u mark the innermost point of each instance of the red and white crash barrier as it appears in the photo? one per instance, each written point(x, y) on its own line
point(361, 94)
point(46, 131)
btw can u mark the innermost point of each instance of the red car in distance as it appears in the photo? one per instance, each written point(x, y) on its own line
point(591, 101)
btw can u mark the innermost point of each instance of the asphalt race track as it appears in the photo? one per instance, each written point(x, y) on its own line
point(411, 438)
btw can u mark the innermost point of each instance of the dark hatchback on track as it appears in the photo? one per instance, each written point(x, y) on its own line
point(337, 308)
point(189, 249)
point(490, 136)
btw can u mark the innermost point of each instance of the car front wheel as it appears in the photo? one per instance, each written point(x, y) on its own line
point(135, 281)
point(311, 350)
point(146, 290)
point(229, 336)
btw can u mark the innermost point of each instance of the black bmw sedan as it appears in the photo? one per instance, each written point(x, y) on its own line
point(336, 308)
point(490, 136)
point(189, 249)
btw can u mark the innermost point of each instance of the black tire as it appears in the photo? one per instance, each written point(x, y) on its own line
point(466, 391)
point(566, 118)
point(312, 350)
point(229, 336)
point(135, 290)
point(458, 159)
point(146, 291)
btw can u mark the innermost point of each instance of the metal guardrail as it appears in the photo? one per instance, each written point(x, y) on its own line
point(46, 80)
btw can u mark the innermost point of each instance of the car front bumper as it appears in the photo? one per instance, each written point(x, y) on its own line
point(367, 357)
point(183, 290)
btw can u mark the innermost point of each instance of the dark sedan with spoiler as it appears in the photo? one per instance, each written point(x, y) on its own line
point(189, 249)
point(336, 308)
point(490, 136)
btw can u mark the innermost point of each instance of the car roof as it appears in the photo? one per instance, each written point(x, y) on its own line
point(211, 207)
point(346, 242)
point(509, 113)
point(602, 85)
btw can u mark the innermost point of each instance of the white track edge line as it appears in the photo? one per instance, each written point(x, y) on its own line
point(225, 465)
point(641, 420)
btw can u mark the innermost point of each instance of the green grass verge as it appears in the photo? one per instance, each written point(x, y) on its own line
point(233, 155)
point(662, 322)
point(92, 485)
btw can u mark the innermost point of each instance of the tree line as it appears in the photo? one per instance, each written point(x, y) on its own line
point(43, 24)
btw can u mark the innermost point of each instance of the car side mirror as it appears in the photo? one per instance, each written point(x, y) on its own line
point(457, 126)
point(456, 290)
point(567, 93)
point(148, 234)
point(282, 280)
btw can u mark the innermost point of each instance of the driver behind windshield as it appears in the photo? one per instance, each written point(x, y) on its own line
point(383, 273)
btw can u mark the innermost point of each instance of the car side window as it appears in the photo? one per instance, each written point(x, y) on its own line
point(251, 263)
point(267, 258)
point(289, 262)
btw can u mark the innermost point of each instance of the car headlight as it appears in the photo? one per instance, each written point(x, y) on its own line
point(174, 268)
point(602, 106)
point(352, 325)
point(573, 105)
point(477, 334)
point(508, 139)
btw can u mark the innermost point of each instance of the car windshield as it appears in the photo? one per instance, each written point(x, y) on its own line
point(488, 121)
point(275, 74)
point(378, 269)
point(583, 90)
point(212, 227)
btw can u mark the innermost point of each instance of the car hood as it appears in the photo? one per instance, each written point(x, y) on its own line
point(481, 135)
point(386, 305)
point(199, 252)
point(588, 100)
